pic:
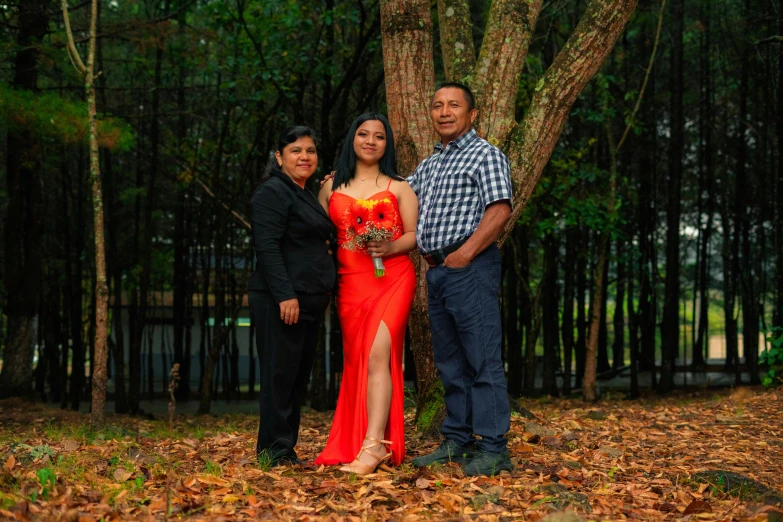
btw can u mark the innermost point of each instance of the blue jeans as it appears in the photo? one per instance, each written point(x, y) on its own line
point(466, 338)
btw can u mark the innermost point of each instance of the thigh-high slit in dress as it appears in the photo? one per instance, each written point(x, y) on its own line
point(363, 301)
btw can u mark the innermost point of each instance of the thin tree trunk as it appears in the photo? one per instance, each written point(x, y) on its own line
point(567, 327)
point(777, 318)
point(701, 346)
point(77, 296)
point(602, 350)
point(618, 343)
point(101, 293)
point(589, 388)
point(633, 335)
point(670, 327)
point(549, 315)
point(745, 215)
point(181, 243)
point(580, 348)
point(513, 338)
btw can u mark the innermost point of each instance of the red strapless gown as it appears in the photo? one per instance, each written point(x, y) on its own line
point(363, 301)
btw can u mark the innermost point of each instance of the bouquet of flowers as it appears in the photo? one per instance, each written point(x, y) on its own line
point(371, 220)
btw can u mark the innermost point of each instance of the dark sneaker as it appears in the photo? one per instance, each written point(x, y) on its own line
point(488, 463)
point(448, 451)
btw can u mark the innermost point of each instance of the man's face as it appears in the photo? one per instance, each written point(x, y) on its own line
point(450, 114)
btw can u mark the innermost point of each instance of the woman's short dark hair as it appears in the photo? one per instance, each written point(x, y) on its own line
point(293, 133)
point(346, 164)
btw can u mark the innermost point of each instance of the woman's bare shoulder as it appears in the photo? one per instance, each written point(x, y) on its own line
point(401, 188)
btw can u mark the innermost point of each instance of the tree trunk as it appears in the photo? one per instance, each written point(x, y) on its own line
point(24, 223)
point(181, 243)
point(589, 388)
point(618, 343)
point(77, 296)
point(456, 39)
point(670, 327)
point(406, 29)
point(550, 315)
point(582, 56)
point(567, 327)
point(222, 332)
point(409, 74)
point(602, 350)
point(633, 336)
point(777, 319)
point(701, 346)
point(511, 329)
point(580, 348)
point(745, 215)
point(101, 292)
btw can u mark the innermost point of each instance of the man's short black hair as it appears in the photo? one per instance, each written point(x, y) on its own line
point(465, 90)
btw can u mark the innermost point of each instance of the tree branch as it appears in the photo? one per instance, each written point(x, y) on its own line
point(495, 78)
point(581, 58)
point(770, 39)
point(456, 39)
point(73, 53)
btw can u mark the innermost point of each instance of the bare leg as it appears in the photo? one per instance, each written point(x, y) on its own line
point(379, 393)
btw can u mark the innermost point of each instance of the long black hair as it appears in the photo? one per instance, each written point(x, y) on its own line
point(346, 164)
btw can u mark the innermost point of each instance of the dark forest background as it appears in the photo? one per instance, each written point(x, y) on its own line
point(193, 94)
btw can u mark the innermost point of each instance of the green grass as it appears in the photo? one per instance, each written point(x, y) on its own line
point(212, 468)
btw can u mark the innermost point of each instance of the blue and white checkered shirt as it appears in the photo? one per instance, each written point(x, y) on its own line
point(455, 185)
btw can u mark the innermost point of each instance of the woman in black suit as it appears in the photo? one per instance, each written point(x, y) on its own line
point(289, 290)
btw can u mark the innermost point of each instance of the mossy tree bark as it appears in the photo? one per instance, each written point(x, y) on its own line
point(406, 28)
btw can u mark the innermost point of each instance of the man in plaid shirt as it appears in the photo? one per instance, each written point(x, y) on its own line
point(464, 192)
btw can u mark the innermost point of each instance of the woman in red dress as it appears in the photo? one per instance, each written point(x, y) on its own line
point(368, 426)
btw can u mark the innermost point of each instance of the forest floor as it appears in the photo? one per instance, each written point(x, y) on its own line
point(705, 455)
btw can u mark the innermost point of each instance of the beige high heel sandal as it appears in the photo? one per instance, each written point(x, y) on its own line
point(360, 468)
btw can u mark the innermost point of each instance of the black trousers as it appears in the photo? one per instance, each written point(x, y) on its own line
point(285, 354)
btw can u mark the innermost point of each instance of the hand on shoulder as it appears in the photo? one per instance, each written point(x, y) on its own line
point(326, 191)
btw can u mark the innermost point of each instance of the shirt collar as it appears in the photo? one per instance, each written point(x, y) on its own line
point(460, 142)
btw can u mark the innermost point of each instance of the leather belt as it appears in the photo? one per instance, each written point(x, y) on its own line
point(436, 257)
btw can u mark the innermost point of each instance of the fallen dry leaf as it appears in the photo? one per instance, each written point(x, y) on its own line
point(697, 506)
point(649, 478)
point(121, 474)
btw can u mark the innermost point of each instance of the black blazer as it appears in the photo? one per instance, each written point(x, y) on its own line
point(294, 240)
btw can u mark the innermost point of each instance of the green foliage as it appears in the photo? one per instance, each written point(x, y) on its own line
point(773, 357)
point(59, 118)
point(432, 409)
point(34, 452)
point(212, 468)
point(48, 479)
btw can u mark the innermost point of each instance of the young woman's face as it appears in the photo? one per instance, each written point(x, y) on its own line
point(369, 142)
point(298, 159)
